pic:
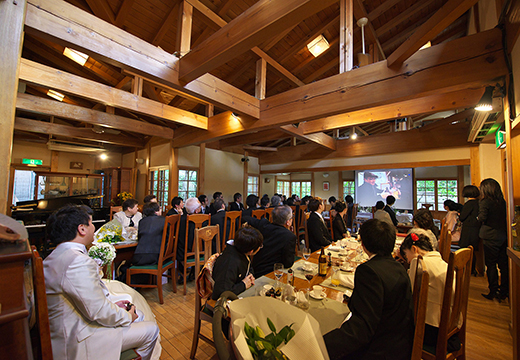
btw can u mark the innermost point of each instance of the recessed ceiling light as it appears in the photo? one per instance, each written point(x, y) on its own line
point(75, 55)
point(56, 95)
point(318, 46)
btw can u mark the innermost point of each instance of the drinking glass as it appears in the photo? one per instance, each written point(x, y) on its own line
point(302, 298)
point(278, 271)
point(334, 279)
point(309, 275)
point(306, 253)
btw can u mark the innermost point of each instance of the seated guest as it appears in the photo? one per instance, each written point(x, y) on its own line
point(219, 217)
point(276, 201)
point(84, 323)
point(279, 240)
point(177, 206)
point(233, 270)
point(452, 218)
point(149, 235)
point(319, 235)
point(192, 207)
point(251, 202)
point(381, 214)
point(423, 224)
point(204, 204)
point(130, 216)
point(349, 200)
point(305, 200)
point(216, 195)
point(339, 226)
point(150, 198)
point(264, 202)
point(237, 205)
point(413, 246)
point(381, 322)
point(332, 210)
point(390, 201)
point(290, 202)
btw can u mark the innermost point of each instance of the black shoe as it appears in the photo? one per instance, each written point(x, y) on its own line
point(490, 296)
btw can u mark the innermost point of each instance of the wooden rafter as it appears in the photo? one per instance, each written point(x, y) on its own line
point(259, 137)
point(249, 29)
point(320, 139)
point(123, 12)
point(165, 26)
point(404, 16)
point(386, 5)
point(101, 9)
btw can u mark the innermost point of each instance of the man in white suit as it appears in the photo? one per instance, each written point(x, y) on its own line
point(84, 323)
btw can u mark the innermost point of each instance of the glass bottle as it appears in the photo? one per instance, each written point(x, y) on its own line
point(322, 262)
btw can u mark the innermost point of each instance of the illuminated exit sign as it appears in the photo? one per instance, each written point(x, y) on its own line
point(32, 162)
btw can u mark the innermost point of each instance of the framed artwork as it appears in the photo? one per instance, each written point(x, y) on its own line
point(326, 186)
point(76, 165)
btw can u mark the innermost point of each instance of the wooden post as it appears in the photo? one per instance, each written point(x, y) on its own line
point(346, 39)
point(474, 161)
point(184, 28)
point(313, 185)
point(246, 174)
point(173, 189)
point(202, 156)
point(134, 173)
point(148, 159)
point(12, 19)
point(54, 161)
point(261, 77)
point(460, 183)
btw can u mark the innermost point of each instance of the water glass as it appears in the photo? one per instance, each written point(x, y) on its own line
point(302, 299)
point(334, 279)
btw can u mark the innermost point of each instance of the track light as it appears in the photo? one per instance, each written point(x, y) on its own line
point(486, 101)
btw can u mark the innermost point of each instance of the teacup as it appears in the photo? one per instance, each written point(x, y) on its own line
point(317, 290)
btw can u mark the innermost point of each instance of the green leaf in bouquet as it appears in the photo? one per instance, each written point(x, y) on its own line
point(270, 338)
point(253, 350)
point(271, 325)
point(278, 355)
point(290, 336)
point(250, 332)
point(278, 340)
point(260, 332)
point(266, 345)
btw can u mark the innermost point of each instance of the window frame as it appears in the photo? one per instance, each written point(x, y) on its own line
point(257, 178)
point(353, 188)
point(162, 192)
point(438, 204)
point(186, 194)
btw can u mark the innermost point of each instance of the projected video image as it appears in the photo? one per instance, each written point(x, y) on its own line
point(375, 185)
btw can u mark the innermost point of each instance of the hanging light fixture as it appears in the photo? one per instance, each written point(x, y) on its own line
point(75, 55)
point(486, 101)
point(318, 45)
point(56, 95)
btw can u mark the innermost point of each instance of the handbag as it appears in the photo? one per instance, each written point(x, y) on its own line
point(205, 280)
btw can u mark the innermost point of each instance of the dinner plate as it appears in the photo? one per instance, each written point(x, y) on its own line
point(321, 297)
point(347, 268)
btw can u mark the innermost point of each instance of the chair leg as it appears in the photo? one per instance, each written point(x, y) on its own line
point(173, 273)
point(185, 279)
point(159, 287)
point(196, 332)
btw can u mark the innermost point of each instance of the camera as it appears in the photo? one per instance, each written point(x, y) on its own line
point(245, 159)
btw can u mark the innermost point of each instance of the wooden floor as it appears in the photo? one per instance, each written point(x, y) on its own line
point(487, 331)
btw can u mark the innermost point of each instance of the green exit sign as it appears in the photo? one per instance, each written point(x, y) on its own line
point(32, 162)
point(500, 139)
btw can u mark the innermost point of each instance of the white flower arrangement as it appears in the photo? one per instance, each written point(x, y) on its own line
point(103, 253)
point(111, 232)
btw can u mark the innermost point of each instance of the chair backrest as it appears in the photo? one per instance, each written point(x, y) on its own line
point(294, 224)
point(258, 214)
point(301, 217)
point(42, 311)
point(420, 301)
point(229, 230)
point(306, 218)
point(269, 213)
point(170, 232)
point(140, 208)
point(444, 241)
point(198, 220)
point(458, 278)
point(206, 235)
point(331, 226)
point(113, 210)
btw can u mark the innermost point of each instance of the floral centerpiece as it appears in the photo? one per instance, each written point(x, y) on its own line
point(111, 232)
point(121, 197)
point(266, 347)
point(103, 254)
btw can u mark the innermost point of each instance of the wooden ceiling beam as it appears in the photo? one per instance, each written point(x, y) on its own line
point(102, 10)
point(447, 14)
point(39, 105)
point(426, 105)
point(448, 136)
point(260, 148)
point(184, 25)
point(166, 24)
point(320, 139)
point(258, 137)
point(43, 127)
point(124, 11)
point(67, 25)
point(403, 16)
point(378, 11)
point(262, 20)
point(472, 61)
point(43, 75)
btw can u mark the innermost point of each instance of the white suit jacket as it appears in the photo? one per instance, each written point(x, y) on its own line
point(84, 323)
point(125, 220)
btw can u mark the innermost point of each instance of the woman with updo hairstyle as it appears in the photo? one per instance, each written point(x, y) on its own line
point(413, 246)
point(339, 226)
point(423, 225)
point(470, 224)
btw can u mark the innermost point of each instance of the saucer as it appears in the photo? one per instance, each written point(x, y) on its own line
point(347, 268)
point(321, 297)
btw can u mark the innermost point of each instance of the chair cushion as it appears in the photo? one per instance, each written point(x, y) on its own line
point(128, 355)
point(150, 267)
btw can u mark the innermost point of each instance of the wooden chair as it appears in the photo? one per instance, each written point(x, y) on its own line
point(189, 253)
point(206, 235)
point(140, 208)
point(166, 259)
point(356, 224)
point(294, 224)
point(445, 241)
point(113, 210)
point(42, 312)
point(230, 226)
point(331, 226)
point(306, 217)
point(258, 214)
point(454, 306)
point(301, 221)
point(420, 301)
point(269, 214)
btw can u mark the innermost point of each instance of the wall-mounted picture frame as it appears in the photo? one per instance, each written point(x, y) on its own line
point(76, 165)
point(326, 186)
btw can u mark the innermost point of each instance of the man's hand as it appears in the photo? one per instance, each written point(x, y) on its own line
point(132, 312)
point(249, 280)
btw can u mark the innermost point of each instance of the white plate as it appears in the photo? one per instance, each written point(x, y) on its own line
point(321, 297)
point(347, 268)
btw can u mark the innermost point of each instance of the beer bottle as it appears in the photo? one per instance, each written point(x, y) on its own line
point(322, 262)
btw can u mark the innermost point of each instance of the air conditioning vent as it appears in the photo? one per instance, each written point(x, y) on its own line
point(74, 147)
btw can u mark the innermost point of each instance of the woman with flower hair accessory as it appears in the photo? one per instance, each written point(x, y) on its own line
point(419, 244)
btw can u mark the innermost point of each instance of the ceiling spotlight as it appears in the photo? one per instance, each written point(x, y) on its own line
point(75, 55)
point(486, 101)
point(353, 136)
point(103, 156)
point(56, 95)
point(235, 115)
point(318, 46)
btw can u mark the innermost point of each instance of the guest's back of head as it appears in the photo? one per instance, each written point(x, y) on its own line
point(149, 198)
point(380, 205)
point(314, 204)
point(423, 218)
point(218, 204)
point(471, 191)
point(282, 214)
point(192, 205)
point(378, 237)
point(349, 199)
point(275, 200)
point(490, 189)
point(247, 238)
point(62, 225)
point(251, 201)
point(216, 195)
point(151, 208)
point(390, 200)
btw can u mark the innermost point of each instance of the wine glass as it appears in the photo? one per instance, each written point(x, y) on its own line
point(306, 253)
point(309, 275)
point(278, 271)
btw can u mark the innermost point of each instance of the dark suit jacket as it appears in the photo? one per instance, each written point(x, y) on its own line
point(236, 207)
point(181, 244)
point(279, 246)
point(231, 267)
point(382, 324)
point(150, 237)
point(470, 224)
point(494, 220)
point(391, 212)
point(218, 219)
point(206, 210)
point(319, 235)
point(339, 227)
point(247, 212)
point(172, 211)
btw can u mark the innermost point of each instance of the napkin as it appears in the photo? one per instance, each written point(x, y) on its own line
point(347, 279)
point(334, 248)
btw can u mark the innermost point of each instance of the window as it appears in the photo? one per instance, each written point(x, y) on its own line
point(252, 185)
point(159, 184)
point(283, 187)
point(436, 192)
point(301, 188)
point(348, 188)
point(187, 184)
point(24, 185)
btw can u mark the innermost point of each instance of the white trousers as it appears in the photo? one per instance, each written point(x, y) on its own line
point(142, 337)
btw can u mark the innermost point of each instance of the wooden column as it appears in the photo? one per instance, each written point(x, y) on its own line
point(261, 77)
point(313, 185)
point(133, 186)
point(474, 161)
point(346, 39)
point(460, 183)
point(341, 194)
point(173, 189)
point(184, 28)
point(509, 171)
point(202, 157)
point(54, 161)
point(246, 174)
point(148, 159)
point(12, 18)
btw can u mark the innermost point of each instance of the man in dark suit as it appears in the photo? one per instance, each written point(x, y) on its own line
point(177, 206)
point(216, 195)
point(381, 324)
point(319, 235)
point(368, 193)
point(204, 204)
point(279, 241)
point(390, 200)
point(219, 218)
point(237, 205)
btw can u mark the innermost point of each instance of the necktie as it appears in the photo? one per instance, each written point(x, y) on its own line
point(131, 221)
